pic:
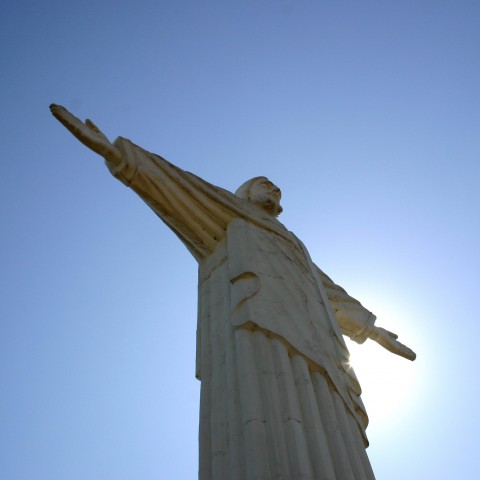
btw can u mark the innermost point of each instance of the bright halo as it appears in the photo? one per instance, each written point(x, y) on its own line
point(386, 380)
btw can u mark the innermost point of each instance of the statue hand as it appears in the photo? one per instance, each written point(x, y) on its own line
point(389, 341)
point(88, 133)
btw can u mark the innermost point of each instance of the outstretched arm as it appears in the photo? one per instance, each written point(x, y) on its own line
point(88, 133)
point(358, 323)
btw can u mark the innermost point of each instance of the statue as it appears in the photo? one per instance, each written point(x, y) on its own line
point(279, 399)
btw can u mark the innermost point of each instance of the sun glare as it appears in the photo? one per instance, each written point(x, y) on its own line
point(390, 384)
point(386, 381)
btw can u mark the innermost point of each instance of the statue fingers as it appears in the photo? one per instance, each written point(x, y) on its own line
point(393, 335)
point(409, 354)
point(69, 121)
point(405, 352)
point(94, 128)
point(62, 114)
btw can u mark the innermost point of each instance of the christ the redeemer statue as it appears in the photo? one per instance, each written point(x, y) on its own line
point(279, 399)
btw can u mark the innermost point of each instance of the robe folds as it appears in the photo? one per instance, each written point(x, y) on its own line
point(279, 399)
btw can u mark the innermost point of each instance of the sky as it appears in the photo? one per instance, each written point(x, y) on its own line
point(365, 113)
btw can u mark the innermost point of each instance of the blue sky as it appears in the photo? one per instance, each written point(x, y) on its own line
point(365, 113)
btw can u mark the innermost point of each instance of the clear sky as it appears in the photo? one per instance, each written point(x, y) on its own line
point(366, 113)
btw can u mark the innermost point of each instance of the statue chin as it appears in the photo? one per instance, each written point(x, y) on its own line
point(270, 206)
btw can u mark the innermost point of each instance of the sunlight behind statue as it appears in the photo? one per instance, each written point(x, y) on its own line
point(279, 399)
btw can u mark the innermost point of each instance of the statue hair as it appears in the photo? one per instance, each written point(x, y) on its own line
point(243, 191)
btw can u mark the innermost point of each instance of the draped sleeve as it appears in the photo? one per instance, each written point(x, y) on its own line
point(197, 211)
point(354, 319)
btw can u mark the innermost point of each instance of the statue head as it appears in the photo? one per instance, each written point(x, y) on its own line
point(263, 193)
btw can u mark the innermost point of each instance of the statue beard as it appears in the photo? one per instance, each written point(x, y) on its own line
point(268, 203)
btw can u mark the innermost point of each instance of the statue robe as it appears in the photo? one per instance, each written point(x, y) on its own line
point(278, 397)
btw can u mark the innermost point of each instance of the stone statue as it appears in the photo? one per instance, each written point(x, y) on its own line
point(279, 399)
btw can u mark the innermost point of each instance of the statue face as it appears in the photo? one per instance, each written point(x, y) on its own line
point(266, 195)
